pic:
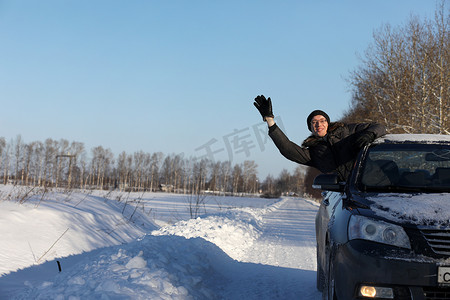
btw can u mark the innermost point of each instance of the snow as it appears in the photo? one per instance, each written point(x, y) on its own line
point(429, 138)
point(113, 245)
point(403, 208)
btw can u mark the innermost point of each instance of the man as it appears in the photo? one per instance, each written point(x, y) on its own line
point(332, 147)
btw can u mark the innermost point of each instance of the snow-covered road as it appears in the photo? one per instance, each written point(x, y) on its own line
point(287, 235)
point(283, 258)
point(248, 250)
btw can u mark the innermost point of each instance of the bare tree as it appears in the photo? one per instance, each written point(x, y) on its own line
point(177, 172)
point(154, 169)
point(213, 184)
point(18, 150)
point(200, 172)
point(298, 180)
point(37, 162)
point(61, 164)
point(237, 176)
point(50, 151)
point(283, 183)
point(2, 150)
point(225, 175)
point(28, 156)
point(403, 81)
point(123, 169)
point(250, 176)
point(188, 179)
point(268, 186)
point(75, 176)
point(138, 159)
point(100, 165)
point(7, 160)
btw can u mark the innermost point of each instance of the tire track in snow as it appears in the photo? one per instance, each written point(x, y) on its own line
point(288, 236)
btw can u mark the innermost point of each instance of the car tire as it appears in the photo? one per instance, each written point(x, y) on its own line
point(320, 280)
point(328, 292)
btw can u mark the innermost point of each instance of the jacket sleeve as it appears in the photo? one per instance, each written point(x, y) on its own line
point(376, 128)
point(289, 149)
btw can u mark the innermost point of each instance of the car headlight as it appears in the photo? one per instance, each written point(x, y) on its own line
point(377, 231)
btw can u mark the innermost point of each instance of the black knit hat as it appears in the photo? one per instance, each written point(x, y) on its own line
point(316, 113)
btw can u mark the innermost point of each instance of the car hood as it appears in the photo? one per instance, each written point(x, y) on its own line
point(415, 209)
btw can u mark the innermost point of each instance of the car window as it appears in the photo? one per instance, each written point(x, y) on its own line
point(406, 167)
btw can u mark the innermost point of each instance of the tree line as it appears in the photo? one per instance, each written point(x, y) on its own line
point(403, 80)
point(64, 164)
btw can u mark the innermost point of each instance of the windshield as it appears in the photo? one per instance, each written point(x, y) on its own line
point(406, 168)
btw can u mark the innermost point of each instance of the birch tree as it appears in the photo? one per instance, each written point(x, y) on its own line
point(403, 81)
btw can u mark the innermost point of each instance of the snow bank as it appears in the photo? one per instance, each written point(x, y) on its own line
point(109, 249)
point(55, 227)
point(231, 234)
point(152, 268)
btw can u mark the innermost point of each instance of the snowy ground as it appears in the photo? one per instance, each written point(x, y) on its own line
point(145, 246)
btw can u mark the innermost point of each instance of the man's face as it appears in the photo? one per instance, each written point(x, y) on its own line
point(319, 126)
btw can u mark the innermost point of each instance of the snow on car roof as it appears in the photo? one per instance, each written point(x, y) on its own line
point(401, 138)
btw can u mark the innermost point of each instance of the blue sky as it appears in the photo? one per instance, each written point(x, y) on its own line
point(180, 76)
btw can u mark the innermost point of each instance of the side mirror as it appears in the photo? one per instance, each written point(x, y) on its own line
point(328, 182)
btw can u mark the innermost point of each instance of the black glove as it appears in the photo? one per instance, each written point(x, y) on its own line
point(364, 139)
point(264, 106)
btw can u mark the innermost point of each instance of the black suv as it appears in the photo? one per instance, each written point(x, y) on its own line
point(385, 234)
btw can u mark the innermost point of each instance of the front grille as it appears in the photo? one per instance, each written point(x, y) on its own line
point(439, 240)
point(436, 293)
point(402, 293)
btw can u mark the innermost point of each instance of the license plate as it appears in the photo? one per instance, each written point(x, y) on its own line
point(444, 275)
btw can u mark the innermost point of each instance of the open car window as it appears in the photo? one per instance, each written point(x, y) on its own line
point(406, 168)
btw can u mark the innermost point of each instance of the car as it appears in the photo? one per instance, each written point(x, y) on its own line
point(385, 233)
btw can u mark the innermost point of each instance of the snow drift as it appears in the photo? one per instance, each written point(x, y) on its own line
point(110, 249)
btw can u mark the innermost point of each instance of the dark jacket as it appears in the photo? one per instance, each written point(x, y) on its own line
point(335, 152)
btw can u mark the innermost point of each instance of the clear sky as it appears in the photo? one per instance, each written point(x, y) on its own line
point(180, 77)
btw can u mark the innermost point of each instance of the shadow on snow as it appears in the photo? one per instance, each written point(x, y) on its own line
point(155, 266)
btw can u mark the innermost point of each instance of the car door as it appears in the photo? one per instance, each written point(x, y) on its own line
point(324, 216)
